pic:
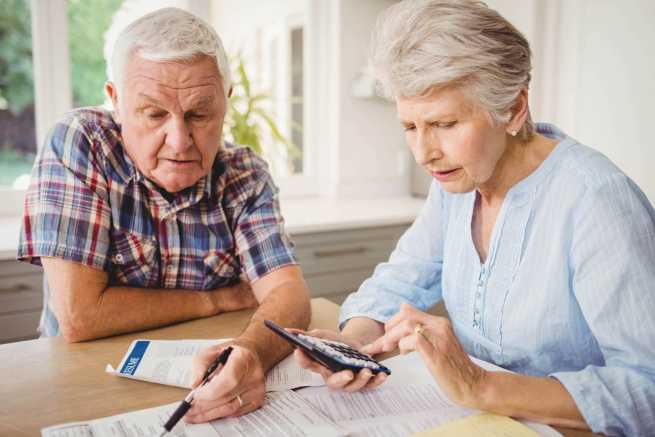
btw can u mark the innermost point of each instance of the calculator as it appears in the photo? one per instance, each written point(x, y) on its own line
point(334, 355)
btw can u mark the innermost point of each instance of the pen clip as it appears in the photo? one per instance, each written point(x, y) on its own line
point(221, 359)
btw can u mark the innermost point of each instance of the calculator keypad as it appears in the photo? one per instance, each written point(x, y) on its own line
point(342, 352)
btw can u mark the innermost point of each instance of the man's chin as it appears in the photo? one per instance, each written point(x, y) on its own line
point(175, 186)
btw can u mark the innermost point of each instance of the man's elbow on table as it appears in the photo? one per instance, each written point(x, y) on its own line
point(75, 294)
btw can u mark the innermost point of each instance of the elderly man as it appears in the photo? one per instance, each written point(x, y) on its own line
point(142, 217)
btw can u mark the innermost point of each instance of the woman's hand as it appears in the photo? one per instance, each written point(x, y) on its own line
point(344, 380)
point(236, 389)
point(460, 378)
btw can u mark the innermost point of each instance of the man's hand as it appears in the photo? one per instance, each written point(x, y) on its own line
point(345, 380)
point(237, 388)
point(233, 298)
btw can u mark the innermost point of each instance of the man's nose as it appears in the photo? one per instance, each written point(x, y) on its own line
point(178, 135)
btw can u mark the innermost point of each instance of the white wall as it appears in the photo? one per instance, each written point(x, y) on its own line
point(372, 156)
point(594, 74)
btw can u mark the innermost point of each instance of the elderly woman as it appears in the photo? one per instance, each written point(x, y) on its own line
point(542, 249)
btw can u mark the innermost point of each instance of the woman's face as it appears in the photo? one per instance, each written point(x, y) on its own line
point(452, 139)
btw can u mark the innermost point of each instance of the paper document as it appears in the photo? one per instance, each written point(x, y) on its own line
point(488, 425)
point(169, 362)
point(410, 369)
point(283, 414)
point(395, 410)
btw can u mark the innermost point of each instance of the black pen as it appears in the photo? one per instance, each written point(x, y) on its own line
point(184, 406)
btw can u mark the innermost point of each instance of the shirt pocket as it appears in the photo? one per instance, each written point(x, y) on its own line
point(133, 260)
point(221, 269)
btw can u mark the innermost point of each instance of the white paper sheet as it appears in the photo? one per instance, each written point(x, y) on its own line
point(169, 362)
point(283, 414)
point(409, 369)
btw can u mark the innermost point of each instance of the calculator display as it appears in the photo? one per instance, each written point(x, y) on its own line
point(334, 355)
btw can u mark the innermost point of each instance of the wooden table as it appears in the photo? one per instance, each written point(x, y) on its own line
point(47, 382)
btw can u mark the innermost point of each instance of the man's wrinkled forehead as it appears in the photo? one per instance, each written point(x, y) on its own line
point(197, 75)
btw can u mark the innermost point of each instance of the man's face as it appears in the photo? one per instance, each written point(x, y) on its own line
point(455, 142)
point(171, 116)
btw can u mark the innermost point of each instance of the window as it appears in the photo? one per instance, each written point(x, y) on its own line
point(17, 124)
point(268, 39)
point(87, 25)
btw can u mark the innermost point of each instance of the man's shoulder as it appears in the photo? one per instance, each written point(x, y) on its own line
point(244, 173)
point(90, 120)
point(239, 159)
point(85, 137)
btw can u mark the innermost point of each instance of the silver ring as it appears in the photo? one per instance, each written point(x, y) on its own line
point(241, 403)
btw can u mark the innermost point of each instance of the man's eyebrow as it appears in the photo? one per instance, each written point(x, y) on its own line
point(203, 101)
point(150, 99)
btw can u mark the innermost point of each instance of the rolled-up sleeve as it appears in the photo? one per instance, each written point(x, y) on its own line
point(262, 242)
point(67, 213)
point(613, 264)
point(411, 275)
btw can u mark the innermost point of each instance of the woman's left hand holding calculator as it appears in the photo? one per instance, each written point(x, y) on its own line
point(344, 380)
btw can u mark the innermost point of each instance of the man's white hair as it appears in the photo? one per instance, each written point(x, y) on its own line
point(420, 45)
point(168, 34)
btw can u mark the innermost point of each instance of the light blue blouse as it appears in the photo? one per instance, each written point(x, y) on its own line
point(567, 290)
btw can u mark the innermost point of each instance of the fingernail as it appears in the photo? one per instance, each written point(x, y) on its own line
point(345, 377)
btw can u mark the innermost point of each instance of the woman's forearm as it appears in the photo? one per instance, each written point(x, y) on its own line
point(363, 330)
point(540, 399)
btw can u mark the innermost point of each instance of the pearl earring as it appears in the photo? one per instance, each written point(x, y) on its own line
point(513, 133)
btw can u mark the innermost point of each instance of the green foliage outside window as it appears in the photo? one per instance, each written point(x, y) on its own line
point(248, 115)
point(87, 23)
point(16, 88)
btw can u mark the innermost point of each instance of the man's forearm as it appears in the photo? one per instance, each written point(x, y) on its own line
point(125, 309)
point(287, 305)
point(529, 397)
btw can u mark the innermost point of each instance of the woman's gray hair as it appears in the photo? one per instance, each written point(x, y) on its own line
point(168, 34)
point(420, 45)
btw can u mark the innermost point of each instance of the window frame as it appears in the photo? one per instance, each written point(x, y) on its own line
point(304, 184)
point(52, 81)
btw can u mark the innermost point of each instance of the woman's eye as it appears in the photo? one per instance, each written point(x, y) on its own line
point(409, 128)
point(447, 125)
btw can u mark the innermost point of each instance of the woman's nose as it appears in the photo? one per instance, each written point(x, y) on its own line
point(426, 149)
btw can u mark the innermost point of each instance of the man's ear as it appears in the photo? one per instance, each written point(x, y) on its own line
point(112, 93)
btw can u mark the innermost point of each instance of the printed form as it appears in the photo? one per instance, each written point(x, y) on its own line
point(169, 362)
point(409, 402)
point(284, 414)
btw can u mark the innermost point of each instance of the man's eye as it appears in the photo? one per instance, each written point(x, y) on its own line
point(196, 116)
point(155, 115)
point(409, 127)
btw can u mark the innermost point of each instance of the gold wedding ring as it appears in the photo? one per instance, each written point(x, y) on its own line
point(418, 329)
point(241, 403)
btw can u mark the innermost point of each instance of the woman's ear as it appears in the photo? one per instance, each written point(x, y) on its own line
point(520, 112)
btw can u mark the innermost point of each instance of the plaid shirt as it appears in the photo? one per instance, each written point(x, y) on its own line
point(89, 204)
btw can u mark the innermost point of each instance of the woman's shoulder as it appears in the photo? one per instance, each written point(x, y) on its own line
point(587, 166)
point(588, 179)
